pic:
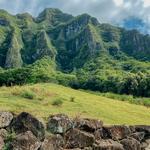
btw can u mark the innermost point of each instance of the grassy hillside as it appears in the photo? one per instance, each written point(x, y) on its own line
point(44, 99)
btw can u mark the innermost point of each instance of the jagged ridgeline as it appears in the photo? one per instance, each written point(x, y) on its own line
point(72, 40)
point(97, 55)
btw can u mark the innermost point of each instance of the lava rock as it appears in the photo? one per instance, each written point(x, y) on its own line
point(138, 136)
point(78, 139)
point(107, 145)
point(26, 122)
point(118, 132)
point(26, 141)
point(130, 144)
point(53, 142)
point(89, 125)
point(102, 134)
point(145, 129)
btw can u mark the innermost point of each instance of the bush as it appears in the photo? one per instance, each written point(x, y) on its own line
point(57, 102)
point(28, 94)
point(72, 99)
point(146, 102)
point(8, 140)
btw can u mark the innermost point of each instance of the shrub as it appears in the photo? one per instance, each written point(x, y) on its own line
point(8, 140)
point(146, 102)
point(28, 94)
point(57, 102)
point(72, 99)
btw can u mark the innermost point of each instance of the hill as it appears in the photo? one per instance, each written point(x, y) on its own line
point(44, 99)
point(76, 51)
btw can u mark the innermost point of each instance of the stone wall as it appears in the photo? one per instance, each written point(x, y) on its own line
point(25, 132)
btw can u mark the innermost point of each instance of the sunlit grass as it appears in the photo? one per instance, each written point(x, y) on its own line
point(84, 104)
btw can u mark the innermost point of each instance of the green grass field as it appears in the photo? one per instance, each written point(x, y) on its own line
point(43, 100)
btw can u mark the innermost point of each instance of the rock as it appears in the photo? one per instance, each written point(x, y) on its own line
point(107, 145)
point(145, 129)
point(145, 145)
point(118, 132)
point(131, 144)
point(87, 148)
point(3, 133)
point(98, 134)
point(89, 125)
point(5, 119)
point(1, 143)
point(102, 134)
point(132, 128)
point(148, 144)
point(26, 141)
point(54, 142)
point(148, 147)
point(74, 149)
point(78, 139)
point(59, 124)
point(26, 122)
point(138, 136)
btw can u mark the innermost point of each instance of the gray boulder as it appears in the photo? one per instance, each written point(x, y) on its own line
point(5, 119)
point(3, 133)
point(59, 124)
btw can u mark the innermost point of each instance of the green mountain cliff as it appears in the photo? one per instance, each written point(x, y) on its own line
point(97, 56)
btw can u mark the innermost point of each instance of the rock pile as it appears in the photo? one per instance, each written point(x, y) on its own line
point(25, 132)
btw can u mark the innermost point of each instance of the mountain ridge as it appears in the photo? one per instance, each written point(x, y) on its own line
point(71, 27)
point(95, 56)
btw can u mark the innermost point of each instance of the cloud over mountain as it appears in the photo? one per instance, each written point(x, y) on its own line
point(112, 11)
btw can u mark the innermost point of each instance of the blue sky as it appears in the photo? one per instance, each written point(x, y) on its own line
point(111, 11)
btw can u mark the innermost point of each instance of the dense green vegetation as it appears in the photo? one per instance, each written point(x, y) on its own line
point(73, 51)
point(41, 100)
point(106, 74)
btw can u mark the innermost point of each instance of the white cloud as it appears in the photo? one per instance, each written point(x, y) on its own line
point(112, 11)
point(118, 2)
point(146, 3)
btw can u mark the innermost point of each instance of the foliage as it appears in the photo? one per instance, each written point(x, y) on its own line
point(72, 99)
point(28, 94)
point(57, 102)
point(8, 140)
point(73, 51)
